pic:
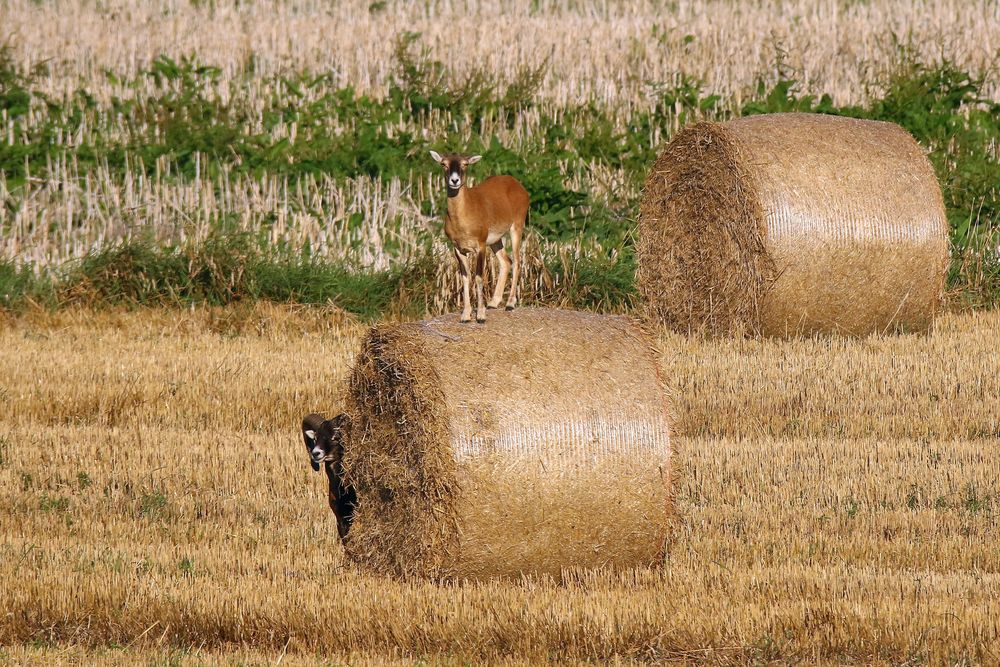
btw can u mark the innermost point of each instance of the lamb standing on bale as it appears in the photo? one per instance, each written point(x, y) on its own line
point(534, 443)
point(478, 218)
point(793, 224)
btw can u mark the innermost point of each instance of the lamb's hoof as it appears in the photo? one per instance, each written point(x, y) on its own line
point(465, 320)
point(481, 319)
point(509, 308)
point(491, 307)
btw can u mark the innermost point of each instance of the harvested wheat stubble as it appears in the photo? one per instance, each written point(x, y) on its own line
point(789, 224)
point(536, 442)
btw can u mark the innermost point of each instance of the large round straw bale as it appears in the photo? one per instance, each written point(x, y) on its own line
point(794, 223)
point(536, 442)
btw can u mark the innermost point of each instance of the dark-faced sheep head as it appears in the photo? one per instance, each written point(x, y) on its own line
point(324, 439)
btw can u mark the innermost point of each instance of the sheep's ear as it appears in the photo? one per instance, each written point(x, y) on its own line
point(311, 434)
point(475, 158)
point(436, 156)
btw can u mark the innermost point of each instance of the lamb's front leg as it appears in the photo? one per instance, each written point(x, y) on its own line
point(463, 269)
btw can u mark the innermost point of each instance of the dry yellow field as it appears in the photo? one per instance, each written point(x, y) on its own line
point(837, 502)
point(601, 50)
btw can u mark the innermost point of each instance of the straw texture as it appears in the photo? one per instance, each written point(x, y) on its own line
point(536, 442)
point(789, 224)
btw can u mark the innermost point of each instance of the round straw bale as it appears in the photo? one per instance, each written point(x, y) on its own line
point(536, 442)
point(788, 224)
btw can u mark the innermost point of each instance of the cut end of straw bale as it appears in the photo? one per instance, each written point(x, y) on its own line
point(789, 224)
point(533, 443)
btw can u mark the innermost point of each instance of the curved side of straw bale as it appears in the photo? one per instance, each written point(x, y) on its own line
point(703, 262)
point(536, 442)
point(788, 224)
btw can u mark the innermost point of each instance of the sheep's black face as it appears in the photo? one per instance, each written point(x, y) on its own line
point(318, 437)
point(324, 442)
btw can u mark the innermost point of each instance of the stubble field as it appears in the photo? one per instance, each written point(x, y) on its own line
point(836, 502)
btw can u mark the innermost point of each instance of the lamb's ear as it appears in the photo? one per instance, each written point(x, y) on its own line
point(475, 158)
point(436, 156)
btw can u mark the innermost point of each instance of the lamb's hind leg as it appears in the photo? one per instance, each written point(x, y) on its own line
point(515, 251)
point(480, 267)
point(501, 285)
point(463, 269)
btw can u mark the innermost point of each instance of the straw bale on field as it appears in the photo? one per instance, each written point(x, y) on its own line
point(536, 442)
point(789, 224)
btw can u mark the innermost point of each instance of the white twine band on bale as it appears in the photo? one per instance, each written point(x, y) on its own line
point(536, 442)
point(789, 224)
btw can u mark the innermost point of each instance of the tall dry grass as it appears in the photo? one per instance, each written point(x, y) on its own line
point(837, 502)
point(69, 212)
point(833, 44)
